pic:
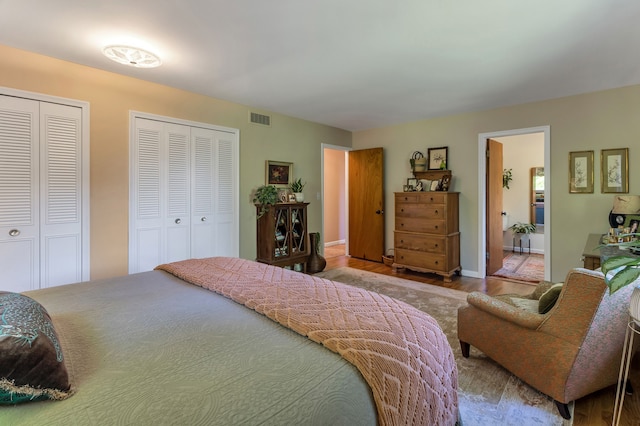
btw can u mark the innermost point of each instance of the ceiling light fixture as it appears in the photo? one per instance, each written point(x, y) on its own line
point(132, 56)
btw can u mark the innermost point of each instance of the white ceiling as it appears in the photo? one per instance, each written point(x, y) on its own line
point(352, 64)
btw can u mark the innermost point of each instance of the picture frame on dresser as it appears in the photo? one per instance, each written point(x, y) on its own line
point(411, 184)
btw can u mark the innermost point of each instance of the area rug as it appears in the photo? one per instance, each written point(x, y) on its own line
point(527, 268)
point(489, 395)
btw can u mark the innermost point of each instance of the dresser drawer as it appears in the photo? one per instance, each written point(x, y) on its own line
point(419, 259)
point(420, 197)
point(420, 242)
point(423, 211)
point(416, 224)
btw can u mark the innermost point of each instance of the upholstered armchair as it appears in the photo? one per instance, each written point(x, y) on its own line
point(571, 351)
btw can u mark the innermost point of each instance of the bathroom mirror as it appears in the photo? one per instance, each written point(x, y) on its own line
point(537, 195)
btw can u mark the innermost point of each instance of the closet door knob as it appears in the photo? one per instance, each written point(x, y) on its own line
point(178, 221)
point(203, 218)
point(14, 232)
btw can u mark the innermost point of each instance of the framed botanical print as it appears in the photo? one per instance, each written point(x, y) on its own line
point(279, 174)
point(614, 169)
point(581, 172)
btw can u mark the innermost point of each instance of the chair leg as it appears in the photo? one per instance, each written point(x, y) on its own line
point(563, 409)
point(465, 348)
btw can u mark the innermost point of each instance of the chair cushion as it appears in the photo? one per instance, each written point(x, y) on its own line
point(548, 298)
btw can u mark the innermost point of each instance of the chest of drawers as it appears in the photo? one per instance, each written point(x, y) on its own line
point(426, 236)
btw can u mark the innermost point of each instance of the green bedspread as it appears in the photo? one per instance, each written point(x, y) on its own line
point(151, 349)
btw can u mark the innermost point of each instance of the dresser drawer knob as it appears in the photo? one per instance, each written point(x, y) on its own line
point(436, 212)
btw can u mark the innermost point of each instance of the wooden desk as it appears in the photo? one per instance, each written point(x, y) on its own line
point(590, 254)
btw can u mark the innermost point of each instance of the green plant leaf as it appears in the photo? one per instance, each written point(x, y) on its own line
point(617, 262)
point(623, 278)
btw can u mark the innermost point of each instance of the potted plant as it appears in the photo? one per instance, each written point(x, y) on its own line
point(620, 271)
point(523, 229)
point(296, 187)
point(265, 196)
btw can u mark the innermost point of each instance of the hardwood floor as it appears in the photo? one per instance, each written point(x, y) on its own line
point(593, 410)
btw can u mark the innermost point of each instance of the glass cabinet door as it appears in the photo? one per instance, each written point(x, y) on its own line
point(297, 230)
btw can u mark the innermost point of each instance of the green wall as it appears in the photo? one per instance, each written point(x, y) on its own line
point(593, 121)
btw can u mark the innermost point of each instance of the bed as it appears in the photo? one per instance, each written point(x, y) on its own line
point(231, 341)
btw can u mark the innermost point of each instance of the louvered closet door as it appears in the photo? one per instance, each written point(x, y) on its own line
point(184, 201)
point(214, 221)
point(226, 240)
point(40, 194)
point(60, 195)
point(160, 199)
point(19, 209)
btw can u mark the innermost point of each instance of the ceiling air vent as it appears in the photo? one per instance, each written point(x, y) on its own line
point(264, 120)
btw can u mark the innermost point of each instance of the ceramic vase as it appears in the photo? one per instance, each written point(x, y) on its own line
point(316, 262)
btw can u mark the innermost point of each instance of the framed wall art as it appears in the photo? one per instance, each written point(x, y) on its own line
point(278, 174)
point(437, 158)
point(581, 172)
point(614, 168)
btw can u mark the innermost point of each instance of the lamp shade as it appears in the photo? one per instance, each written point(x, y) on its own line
point(626, 204)
point(634, 304)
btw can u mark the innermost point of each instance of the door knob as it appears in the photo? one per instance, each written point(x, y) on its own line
point(14, 232)
point(379, 211)
point(178, 221)
point(203, 218)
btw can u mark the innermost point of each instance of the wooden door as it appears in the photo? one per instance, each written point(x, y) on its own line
point(366, 204)
point(494, 206)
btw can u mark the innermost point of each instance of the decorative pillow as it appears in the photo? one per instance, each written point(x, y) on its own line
point(548, 298)
point(31, 363)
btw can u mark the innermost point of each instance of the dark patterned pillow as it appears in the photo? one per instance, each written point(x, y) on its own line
point(31, 363)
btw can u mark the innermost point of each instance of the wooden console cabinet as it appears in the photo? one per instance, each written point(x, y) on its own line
point(426, 236)
point(282, 235)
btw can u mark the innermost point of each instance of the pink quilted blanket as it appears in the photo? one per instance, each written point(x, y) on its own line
point(400, 351)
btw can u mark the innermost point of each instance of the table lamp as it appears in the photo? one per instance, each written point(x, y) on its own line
point(623, 205)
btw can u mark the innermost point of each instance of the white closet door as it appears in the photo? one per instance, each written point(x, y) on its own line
point(160, 195)
point(146, 221)
point(227, 229)
point(203, 184)
point(60, 194)
point(214, 230)
point(19, 210)
point(41, 215)
point(184, 193)
point(177, 221)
